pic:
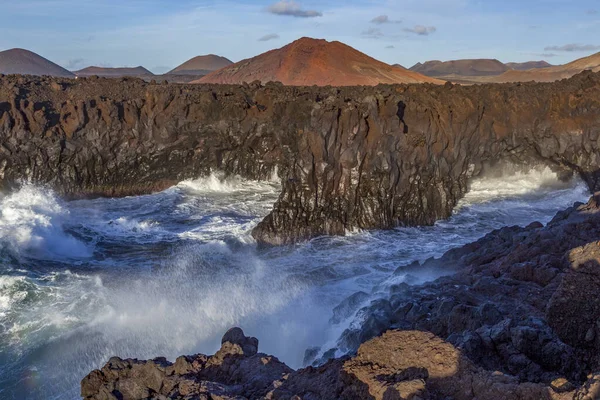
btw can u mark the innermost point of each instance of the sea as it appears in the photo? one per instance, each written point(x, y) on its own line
point(168, 273)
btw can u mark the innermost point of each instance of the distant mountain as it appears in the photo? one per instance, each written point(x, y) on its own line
point(201, 65)
point(524, 66)
point(307, 62)
point(25, 62)
point(551, 74)
point(474, 67)
point(140, 72)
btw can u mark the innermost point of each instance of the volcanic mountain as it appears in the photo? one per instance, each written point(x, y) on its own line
point(114, 72)
point(524, 66)
point(476, 67)
point(555, 73)
point(25, 62)
point(201, 65)
point(308, 61)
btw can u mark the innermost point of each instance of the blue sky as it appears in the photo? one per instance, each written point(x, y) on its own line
point(160, 34)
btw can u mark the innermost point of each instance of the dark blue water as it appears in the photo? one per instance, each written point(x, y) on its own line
point(167, 274)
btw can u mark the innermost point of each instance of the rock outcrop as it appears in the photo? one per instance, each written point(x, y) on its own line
point(348, 157)
point(521, 301)
point(236, 369)
point(397, 365)
point(518, 319)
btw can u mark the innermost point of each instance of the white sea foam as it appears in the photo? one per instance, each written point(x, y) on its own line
point(513, 184)
point(218, 183)
point(31, 221)
point(209, 275)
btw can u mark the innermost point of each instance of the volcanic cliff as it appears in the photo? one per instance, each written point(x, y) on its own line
point(348, 157)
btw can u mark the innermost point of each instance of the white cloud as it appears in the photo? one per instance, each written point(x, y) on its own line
point(573, 47)
point(421, 30)
point(270, 36)
point(372, 33)
point(292, 9)
point(384, 19)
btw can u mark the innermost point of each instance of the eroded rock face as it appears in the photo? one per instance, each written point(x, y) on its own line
point(235, 370)
point(523, 301)
point(516, 319)
point(397, 365)
point(352, 157)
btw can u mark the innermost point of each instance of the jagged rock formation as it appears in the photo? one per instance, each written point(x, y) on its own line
point(398, 365)
point(308, 61)
point(522, 301)
point(349, 157)
point(518, 319)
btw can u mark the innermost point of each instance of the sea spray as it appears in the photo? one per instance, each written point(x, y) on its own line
point(31, 222)
point(170, 272)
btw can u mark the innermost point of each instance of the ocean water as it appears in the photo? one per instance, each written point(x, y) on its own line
point(167, 274)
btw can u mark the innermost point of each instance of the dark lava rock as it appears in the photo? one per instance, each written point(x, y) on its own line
point(228, 374)
point(524, 301)
point(348, 158)
point(235, 336)
point(484, 333)
point(397, 365)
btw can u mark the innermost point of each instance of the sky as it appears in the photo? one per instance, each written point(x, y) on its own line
point(161, 34)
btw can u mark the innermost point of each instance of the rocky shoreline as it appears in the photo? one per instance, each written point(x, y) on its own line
point(348, 158)
point(517, 317)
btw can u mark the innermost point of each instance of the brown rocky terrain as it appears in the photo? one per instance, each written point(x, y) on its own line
point(519, 318)
point(21, 61)
point(551, 74)
point(139, 72)
point(524, 66)
point(201, 65)
point(348, 157)
point(315, 62)
point(474, 67)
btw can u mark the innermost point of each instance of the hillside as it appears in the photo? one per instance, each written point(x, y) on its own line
point(114, 72)
point(25, 62)
point(474, 67)
point(551, 74)
point(308, 61)
point(524, 66)
point(201, 65)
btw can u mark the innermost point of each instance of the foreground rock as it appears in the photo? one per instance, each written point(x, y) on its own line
point(351, 157)
point(398, 365)
point(236, 369)
point(518, 319)
point(522, 301)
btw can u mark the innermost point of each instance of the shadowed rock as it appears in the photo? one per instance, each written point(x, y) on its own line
point(513, 322)
point(348, 158)
point(398, 365)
